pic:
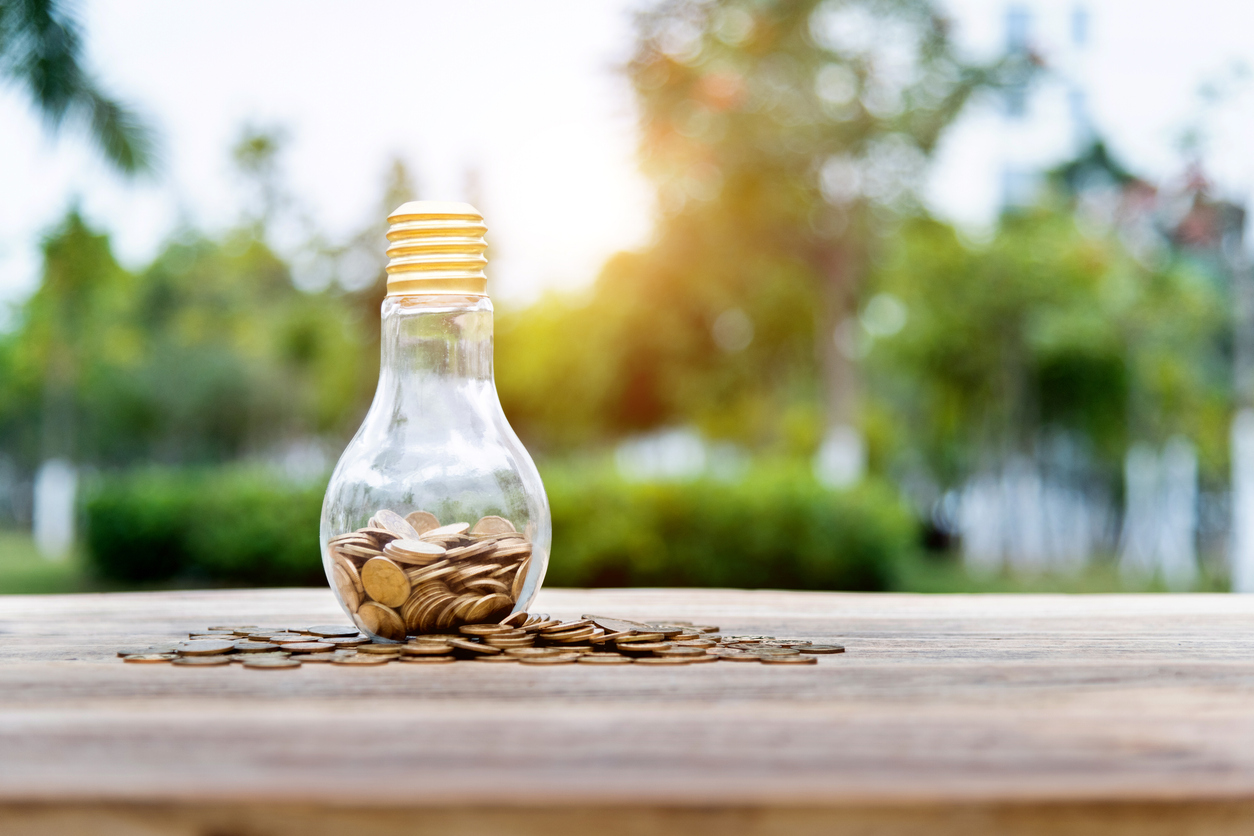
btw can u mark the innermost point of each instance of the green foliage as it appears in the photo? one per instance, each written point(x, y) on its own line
point(227, 526)
point(777, 528)
point(41, 49)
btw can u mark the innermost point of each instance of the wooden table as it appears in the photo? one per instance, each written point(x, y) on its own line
point(947, 715)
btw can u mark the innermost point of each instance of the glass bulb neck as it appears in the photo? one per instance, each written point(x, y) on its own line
point(432, 338)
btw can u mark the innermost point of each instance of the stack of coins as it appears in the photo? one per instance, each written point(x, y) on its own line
point(521, 638)
point(409, 575)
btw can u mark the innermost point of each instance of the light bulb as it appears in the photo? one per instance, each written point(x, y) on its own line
point(435, 516)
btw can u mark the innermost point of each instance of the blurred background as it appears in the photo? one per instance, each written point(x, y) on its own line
point(819, 294)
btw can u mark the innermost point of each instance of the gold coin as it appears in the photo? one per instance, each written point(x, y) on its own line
point(490, 606)
point(149, 658)
point(569, 636)
point(517, 620)
point(308, 647)
point(262, 662)
point(705, 628)
point(554, 659)
point(204, 647)
point(493, 525)
point(414, 551)
point(697, 643)
point(240, 657)
point(741, 657)
point(662, 660)
point(495, 659)
point(321, 657)
point(347, 642)
point(532, 651)
point(823, 648)
point(474, 647)
point(788, 660)
point(381, 621)
point(422, 521)
point(453, 530)
point(428, 660)
point(385, 582)
point(606, 659)
point(686, 636)
point(345, 587)
point(427, 649)
point(254, 647)
point(618, 625)
point(682, 652)
point(640, 637)
point(520, 577)
point(668, 631)
point(543, 624)
point(643, 647)
point(485, 629)
point(394, 523)
point(201, 661)
point(332, 631)
point(289, 638)
point(381, 649)
point(362, 660)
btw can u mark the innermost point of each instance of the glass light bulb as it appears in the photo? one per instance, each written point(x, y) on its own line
point(435, 516)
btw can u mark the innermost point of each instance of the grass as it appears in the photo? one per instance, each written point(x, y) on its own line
point(24, 571)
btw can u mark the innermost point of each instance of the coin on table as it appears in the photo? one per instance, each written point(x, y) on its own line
point(149, 658)
point(533, 651)
point(663, 660)
point(824, 648)
point(518, 619)
point(640, 638)
point(742, 657)
point(333, 631)
point(501, 658)
point(201, 661)
point(789, 660)
point(355, 641)
point(204, 647)
point(606, 659)
point(284, 638)
point(308, 647)
point(358, 659)
point(488, 629)
point(276, 654)
point(426, 649)
point(247, 646)
point(430, 660)
point(705, 628)
point(264, 662)
point(553, 659)
point(381, 649)
point(775, 651)
point(682, 652)
point(155, 650)
point(322, 657)
point(474, 647)
point(642, 647)
point(619, 625)
point(697, 643)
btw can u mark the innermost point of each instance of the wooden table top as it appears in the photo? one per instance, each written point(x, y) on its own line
point(962, 714)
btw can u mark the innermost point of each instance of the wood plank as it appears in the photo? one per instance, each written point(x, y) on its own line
point(997, 713)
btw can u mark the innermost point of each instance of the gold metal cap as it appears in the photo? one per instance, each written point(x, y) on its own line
point(436, 247)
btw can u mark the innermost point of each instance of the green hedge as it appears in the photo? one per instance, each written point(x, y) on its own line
point(776, 528)
point(227, 526)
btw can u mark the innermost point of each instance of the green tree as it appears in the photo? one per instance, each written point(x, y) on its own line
point(41, 50)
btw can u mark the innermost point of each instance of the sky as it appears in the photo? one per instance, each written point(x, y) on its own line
point(531, 97)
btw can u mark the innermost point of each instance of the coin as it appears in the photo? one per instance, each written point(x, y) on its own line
point(741, 657)
point(422, 521)
point(277, 654)
point(289, 638)
point(662, 660)
point(493, 525)
point(321, 657)
point(336, 631)
point(788, 660)
point(484, 629)
point(254, 647)
point(495, 659)
point(380, 649)
point(642, 647)
point(426, 649)
point(149, 658)
point(308, 647)
point(682, 652)
point(385, 582)
point(394, 523)
point(428, 660)
point(369, 659)
point(445, 530)
point(619, 625)
point(414, 551)
point(518, 619)
point(776, 651)
point(474, 647)
point(554, 659)
point(157, 650)
point(201, 661)
point(381, 621)
point(204, 647)
point(606, 659)
point(348, 642)
point(640, 637)
point(701, 660)
point(345, 587)
point(262, 662)
point(824, 648)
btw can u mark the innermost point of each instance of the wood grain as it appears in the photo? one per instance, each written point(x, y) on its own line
point(1005, 714)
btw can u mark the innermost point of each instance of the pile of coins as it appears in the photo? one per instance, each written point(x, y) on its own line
point(521, 638)
point(410, 575)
